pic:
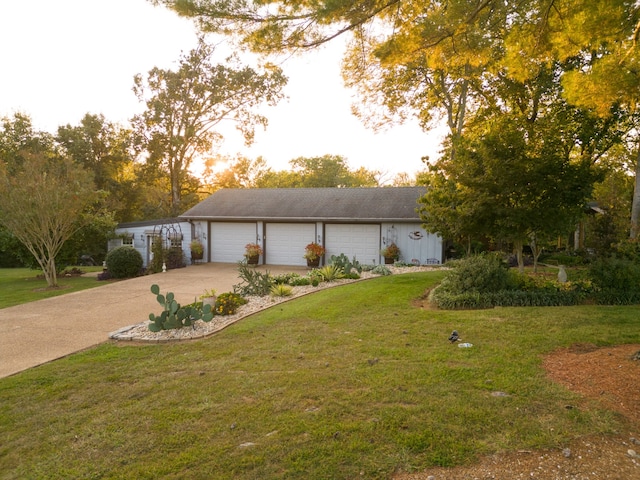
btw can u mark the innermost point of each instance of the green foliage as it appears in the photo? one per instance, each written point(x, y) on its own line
point(506, 298)
point(175, 258)
point(478, 273)
point(561, 258)
point(342, 262)
point(281, 290)
point(329, 273)
point(174, 316)
point(629, 249)
point(106, 149)
point(254, 282)
point(175, 131)
point(228, 303)
point(197, 249)
point(293, 279)
point(381, 270)
point(44, 199)
point(616, 280)
point(124, 262)
point(484, 281)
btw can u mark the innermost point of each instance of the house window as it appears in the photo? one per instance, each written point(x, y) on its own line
point(175, 240)
point(127, 240)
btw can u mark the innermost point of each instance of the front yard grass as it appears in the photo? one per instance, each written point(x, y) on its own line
point(22, 285)
point(350, 382)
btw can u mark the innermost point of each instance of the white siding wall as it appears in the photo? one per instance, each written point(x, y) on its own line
point(142, 235)
point(416, 245)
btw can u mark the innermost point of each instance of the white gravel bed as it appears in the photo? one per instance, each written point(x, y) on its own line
point(141, 333)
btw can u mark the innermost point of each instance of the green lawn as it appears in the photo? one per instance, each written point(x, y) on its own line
point(22, 285)
point(350, 382)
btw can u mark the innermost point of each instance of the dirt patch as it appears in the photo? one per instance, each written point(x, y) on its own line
point(608, 376)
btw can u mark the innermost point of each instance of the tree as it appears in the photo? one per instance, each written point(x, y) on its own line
point(184, 107)
point(43, 203)
point(596, 40)
point(240, 173)
point(106, 150)
point(505, 186)
point(329, 171)
point(18, 137)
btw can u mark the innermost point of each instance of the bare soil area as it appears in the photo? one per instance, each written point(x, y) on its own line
point(608, 377)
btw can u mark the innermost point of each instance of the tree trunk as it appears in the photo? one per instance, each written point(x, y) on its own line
point(635, 205)
point(517, 246)
point(536, 250)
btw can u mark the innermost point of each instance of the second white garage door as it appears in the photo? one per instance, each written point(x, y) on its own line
point(361, 241)
point(228, 240)
point(285, 242)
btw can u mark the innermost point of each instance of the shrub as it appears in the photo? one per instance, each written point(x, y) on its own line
point(478, 273)
point(228, 303)
point(253, 282)
point(175, 258)
point(616, 280)
point(559, 258)
point(629, 249)
point(381, 270)
point(506, 298)
point(124, 262)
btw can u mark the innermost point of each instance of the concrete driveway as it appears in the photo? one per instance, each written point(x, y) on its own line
point(42, 331)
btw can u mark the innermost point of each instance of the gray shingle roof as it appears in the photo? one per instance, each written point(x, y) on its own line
point(316, 204)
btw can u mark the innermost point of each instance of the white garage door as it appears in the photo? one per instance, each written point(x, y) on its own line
point(361, 241)
point(228, 240)
point(285, 242)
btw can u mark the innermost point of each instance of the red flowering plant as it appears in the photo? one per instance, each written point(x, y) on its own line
point(252, 250)
point(313, 251)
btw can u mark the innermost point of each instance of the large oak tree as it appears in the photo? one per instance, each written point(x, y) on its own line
point(185, 106)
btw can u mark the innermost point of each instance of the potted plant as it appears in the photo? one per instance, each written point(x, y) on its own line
point(209, 298)
point(312, 253)
point(252, 252)
point(197, 250)
point(391, 253)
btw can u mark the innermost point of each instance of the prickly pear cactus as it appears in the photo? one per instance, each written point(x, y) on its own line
point(173, 315)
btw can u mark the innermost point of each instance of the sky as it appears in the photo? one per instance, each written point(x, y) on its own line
point(61, 59)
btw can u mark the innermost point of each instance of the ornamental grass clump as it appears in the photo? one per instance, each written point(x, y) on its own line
point(281, 290)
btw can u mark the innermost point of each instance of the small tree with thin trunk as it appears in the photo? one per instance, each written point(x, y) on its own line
point(43, 204)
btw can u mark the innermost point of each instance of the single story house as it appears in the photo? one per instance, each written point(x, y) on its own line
point(357, 222)
point(174, 232)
